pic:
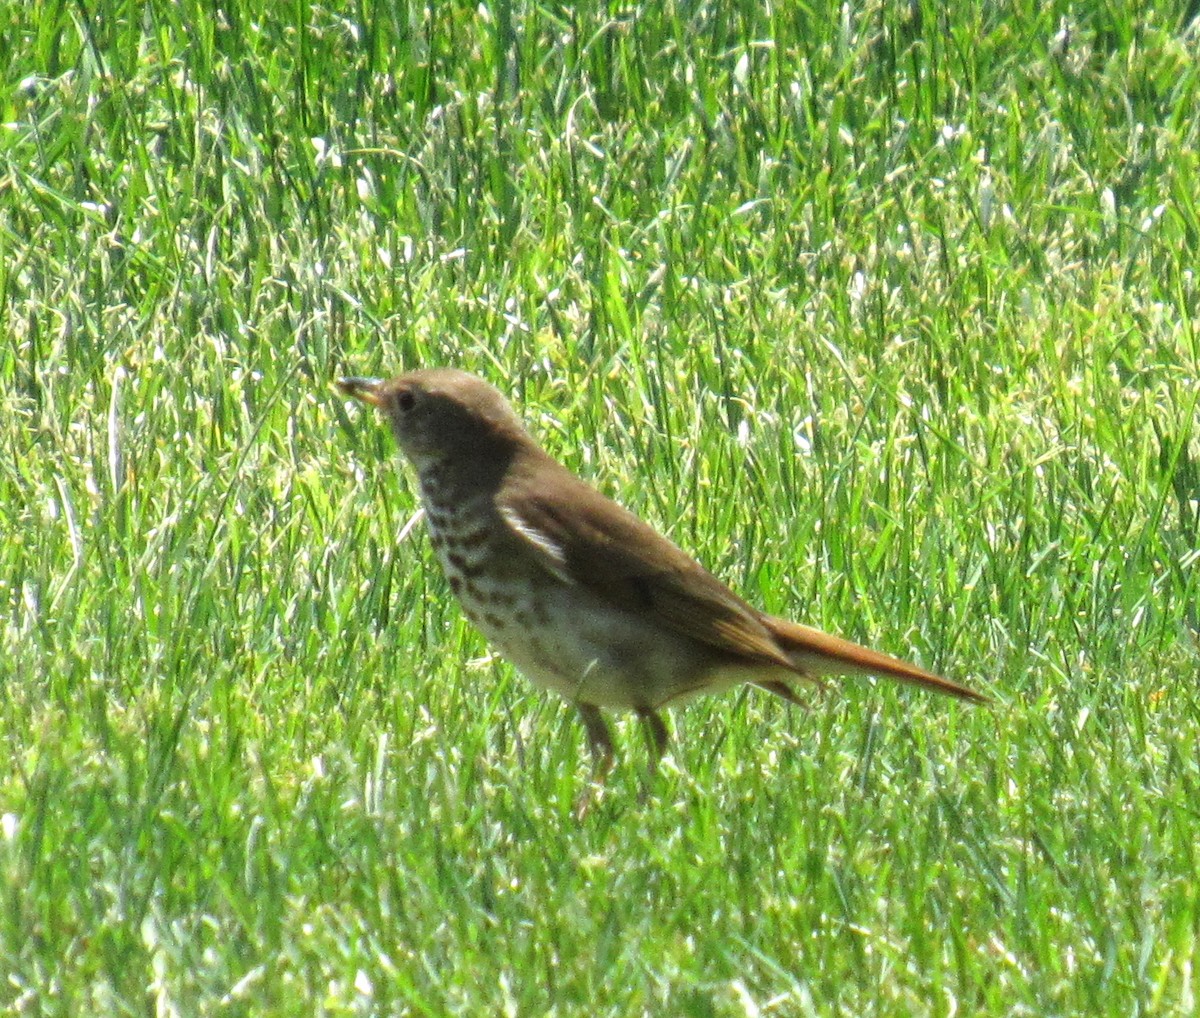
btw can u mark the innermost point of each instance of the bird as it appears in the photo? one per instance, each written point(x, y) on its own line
point(574, 590)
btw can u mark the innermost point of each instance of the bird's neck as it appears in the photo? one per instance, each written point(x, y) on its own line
point(461, 480)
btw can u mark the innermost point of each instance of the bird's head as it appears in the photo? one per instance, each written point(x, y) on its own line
point(443, 418)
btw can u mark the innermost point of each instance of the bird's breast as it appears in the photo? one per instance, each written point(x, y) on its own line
point(559, 634)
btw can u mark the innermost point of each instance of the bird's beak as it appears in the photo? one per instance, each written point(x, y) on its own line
point(365, 389)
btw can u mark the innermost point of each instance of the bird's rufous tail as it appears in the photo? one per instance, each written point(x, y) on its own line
point(818, 653)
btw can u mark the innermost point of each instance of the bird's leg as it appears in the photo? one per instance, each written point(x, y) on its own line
point(599, 741)
point(656, 735)
point(601, 744)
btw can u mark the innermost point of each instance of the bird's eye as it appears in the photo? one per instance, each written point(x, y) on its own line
point(405, 400)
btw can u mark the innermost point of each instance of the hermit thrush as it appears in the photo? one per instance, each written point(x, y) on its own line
point(577, 592)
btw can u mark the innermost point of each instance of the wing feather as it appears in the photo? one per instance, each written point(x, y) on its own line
point(607, 550)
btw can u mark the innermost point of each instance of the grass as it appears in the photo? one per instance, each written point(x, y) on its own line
point(887, 312)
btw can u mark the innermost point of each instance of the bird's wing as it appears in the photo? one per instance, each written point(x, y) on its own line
point(583, 538)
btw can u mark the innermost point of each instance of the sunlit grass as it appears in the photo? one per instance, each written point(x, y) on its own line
point(887, 313)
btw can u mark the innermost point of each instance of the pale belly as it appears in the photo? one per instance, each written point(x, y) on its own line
point(567, 640)
point(560, 635)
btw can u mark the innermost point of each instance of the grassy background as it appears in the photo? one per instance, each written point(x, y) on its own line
point(887, 311)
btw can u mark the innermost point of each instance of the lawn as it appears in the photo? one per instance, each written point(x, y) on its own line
point(886, 312)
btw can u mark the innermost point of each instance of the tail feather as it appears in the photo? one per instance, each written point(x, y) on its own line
point(817, 653)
